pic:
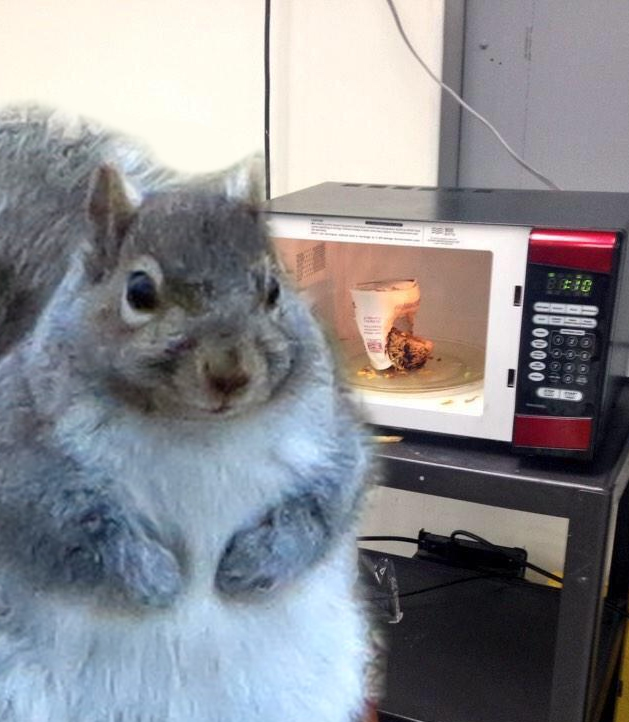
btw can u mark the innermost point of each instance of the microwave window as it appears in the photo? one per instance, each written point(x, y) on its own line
point(579, 285)
point(405, 320)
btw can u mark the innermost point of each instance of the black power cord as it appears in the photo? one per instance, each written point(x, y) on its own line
point(528, 565)
point(398, 23)
point(405, 539)
point(425, 590)
point(267, 97)
point(451, 583)
point(502, 552)
point(492, 575)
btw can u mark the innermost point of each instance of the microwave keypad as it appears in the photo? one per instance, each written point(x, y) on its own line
point(568, 358)
point(559, 356)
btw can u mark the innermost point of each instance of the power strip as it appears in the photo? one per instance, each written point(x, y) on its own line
point(469, 554)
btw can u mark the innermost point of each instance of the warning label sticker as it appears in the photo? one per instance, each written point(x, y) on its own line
point(374, 230)
point(443, 235)
point(366, 231)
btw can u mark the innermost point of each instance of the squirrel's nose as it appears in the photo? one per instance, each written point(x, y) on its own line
point(224, 372)
point(228, 385)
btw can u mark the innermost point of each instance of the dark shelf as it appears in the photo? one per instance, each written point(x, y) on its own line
point(493, 650)
point(490, 473)
point(479, 651)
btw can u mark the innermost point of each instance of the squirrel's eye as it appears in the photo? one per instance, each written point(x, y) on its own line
point(272, 292)
point(141, 291)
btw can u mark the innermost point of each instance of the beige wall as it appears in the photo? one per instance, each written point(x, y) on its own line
point(349, 101)
point(187, 75)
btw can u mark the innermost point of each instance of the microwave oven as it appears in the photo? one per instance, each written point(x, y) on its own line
point(512, 305)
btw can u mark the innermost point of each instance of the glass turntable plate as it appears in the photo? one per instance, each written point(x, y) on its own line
point(451, 366)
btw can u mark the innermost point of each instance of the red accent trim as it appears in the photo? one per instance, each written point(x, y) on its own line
point(582, 250)
point(552, 432)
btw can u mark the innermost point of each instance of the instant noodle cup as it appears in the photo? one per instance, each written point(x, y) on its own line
point(377, 304)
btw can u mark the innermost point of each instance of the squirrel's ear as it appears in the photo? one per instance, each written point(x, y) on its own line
point(245, 180)
point(111, 213)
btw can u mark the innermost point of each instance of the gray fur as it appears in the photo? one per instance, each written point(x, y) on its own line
point(288, 538)
point(45, 170)
point(46, 165)
point(222, 354)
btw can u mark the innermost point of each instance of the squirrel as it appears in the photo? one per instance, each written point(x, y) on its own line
point(181, 467)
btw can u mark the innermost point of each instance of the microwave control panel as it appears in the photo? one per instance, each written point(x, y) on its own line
point(564, 340)
point(564, 322)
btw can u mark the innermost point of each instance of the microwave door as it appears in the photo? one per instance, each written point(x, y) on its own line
point(427, 329)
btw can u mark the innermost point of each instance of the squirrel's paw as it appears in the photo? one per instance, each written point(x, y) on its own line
point(274, 551)
point(113, 552)
point(249, 565)
point(149, 573)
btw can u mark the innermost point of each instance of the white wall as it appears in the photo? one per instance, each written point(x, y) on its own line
point(348, 103)
point(185, 75)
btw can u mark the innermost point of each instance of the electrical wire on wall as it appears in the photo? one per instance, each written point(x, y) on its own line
point(465, 106)
point(267, 100)
point(267, 97)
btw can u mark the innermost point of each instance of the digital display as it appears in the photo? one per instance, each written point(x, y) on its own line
point(579, 285)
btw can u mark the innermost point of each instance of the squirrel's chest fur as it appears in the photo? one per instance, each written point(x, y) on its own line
point(201, 481)
point(208, 659)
